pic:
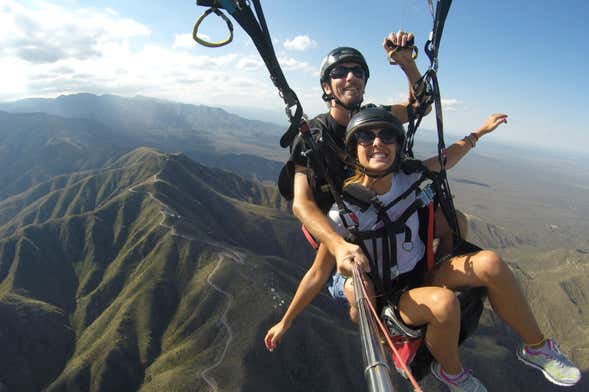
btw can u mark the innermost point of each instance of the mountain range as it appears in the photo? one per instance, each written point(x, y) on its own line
point(130, 268)
point(209, 135)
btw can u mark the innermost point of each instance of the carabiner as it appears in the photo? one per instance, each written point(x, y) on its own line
point(395, 48)
point(212, 44)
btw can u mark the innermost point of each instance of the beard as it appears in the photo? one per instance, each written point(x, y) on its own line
point(351, 96)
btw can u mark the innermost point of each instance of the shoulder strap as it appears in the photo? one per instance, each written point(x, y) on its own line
point(359, 195)
point(321, 119)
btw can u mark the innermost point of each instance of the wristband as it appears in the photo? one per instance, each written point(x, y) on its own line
point(469, 140)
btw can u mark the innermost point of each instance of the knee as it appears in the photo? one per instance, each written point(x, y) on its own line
point(491, 268)
point(444, 306)
point(354, 313)
point(349, 293)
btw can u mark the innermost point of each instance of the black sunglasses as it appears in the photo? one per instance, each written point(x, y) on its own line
point(366, 137)
point(341, 72)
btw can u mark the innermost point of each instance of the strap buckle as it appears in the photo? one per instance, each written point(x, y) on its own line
point(426, 195)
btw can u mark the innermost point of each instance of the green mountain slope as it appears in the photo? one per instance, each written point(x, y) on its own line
point(127, 279)
point(156, 273)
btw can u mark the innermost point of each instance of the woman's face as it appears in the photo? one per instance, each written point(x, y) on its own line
point(376, 149)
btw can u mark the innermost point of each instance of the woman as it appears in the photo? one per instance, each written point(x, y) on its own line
point(375, 137)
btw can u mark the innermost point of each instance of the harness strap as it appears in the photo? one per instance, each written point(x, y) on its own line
point(423, 99)
point(413, 188)
point(328, 141)
point(257, 29)
point(429, 91)
point(388, 234)
point(430, 237)
point(389, 250)
point(321, 170)
point(309, 238)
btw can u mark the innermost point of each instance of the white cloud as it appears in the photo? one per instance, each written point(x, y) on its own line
point(185, 41)
point(300, 43)
point(50, 50)
point(451, 104)
point(290, 64)
point(51, 33)
point(250, 63)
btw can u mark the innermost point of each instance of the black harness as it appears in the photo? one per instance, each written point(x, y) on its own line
point(388, 288)
point(427, 92)
point(386, 234)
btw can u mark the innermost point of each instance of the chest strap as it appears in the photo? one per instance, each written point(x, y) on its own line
point(365, 198)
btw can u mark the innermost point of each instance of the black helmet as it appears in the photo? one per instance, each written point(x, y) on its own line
point(340, 55)
point(373, 117)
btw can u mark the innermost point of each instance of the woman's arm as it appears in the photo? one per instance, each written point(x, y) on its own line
point(460, 148)
point(309, 287)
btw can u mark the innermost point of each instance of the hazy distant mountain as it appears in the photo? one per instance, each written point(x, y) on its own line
point(35, 147)
point(143, 114)
point(206, 134)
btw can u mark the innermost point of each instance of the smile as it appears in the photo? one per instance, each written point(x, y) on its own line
point(353, 90)
point(378, 155)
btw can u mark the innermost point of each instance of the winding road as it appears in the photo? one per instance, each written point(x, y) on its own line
point(230, 254)
point(223, 321)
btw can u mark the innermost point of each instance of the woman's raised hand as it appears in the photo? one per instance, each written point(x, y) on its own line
point(492, 122)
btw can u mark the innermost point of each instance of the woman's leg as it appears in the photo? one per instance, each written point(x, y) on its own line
point(485, 268)
point(349, 292)
point(440, 310)
point(444, 233)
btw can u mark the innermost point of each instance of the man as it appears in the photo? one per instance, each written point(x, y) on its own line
point(344, 73)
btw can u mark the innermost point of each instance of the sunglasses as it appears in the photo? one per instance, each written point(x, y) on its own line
point(341, 72)
point(365, 137)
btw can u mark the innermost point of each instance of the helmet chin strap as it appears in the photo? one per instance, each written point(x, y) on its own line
point(349, 108)
point(376, 175)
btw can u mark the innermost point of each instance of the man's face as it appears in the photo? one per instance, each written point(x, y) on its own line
point(346, 83)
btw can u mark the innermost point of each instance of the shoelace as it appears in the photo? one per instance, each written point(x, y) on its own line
point(555, 354)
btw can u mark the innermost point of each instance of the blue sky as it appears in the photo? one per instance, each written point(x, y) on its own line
point(522, 58)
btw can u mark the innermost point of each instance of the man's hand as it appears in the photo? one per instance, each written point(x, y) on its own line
point(346, 255)
point(401, 50)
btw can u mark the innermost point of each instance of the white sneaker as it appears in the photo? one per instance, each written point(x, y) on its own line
point(557, 368)
point(466, 382)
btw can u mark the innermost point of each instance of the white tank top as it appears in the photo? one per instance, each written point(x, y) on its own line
point(407, 256)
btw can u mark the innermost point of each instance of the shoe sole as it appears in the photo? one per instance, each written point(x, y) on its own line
point(546, 374)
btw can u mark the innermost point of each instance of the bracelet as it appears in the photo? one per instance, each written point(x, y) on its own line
point(469, 140)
